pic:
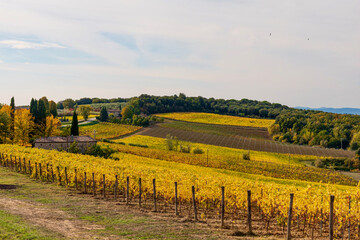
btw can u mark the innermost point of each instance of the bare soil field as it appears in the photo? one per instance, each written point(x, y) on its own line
point(240, 140)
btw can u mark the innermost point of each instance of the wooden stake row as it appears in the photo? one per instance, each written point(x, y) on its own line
point(16, 165)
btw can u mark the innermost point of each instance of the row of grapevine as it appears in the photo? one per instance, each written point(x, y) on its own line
point(265, 168)
point(311, 203)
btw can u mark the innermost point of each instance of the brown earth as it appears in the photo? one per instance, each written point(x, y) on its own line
point(243, 142)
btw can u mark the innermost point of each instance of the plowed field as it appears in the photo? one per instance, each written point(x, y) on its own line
point(241, 141)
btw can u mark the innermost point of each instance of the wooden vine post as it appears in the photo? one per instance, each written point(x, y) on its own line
point(58, 170)
point(116, 187)
point(349, 218)
point(222, 205)
point(85, 182)
point(249, 212)
point(36, 170)
point(331, 218)
point(52, 173)
point(104, 186)
point(139, 192)
point(66, 177)
point(290, 216)
point(40, 170)
point(127, 189)
point(194, 203)
point(176, 200)
point(154, 194)
point(76, 183)
point(93, 184)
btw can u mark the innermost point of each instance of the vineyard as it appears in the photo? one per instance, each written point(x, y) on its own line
point(220, 130)
point(211, 118)
point(198, 189)
point(243, 142)
point(107, 130)
point(266, 164)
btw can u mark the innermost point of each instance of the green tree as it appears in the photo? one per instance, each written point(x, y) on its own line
point(75, 125)
point(34, 109)
point(68, 103)
point(60, 105)
point(47, 105)
point(127, 112)
point(12, 116)
point(41, 112)
point(53, 108)
point(104, 116)
point(84, 111)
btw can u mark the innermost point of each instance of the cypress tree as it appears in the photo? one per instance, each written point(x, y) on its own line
point(103, 114)
point(53, 108)
point(47, 105)
point(75, 125)
point(34, 109)
point(41, 111)
point(12, 116)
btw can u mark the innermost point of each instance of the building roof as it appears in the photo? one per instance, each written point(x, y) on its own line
point(70, 139)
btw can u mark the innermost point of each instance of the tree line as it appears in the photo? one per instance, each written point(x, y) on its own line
point(70, 103)
point(291, 125)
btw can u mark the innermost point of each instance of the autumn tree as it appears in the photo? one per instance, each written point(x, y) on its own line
point(52, 126)
point(24, 124)
point(127, 112)
point(84, 111)
point(5, 121)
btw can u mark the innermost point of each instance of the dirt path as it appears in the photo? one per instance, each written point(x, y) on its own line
point(53, 219)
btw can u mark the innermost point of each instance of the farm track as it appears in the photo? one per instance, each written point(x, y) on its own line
point(243, 142)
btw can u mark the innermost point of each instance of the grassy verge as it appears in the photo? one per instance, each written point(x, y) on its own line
point(14, 227)
point(103, 219)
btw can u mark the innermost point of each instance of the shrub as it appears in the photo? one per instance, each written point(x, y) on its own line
point(138, 145)
point(319, 163)
point(99, 151)
point(356, 163)
point(169, 142)
point(198, 151)
point(348, 163)
point(246, 156)
point(186, 149)
point(74, 148)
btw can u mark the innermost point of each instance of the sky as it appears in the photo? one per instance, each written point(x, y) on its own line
point(298, 53)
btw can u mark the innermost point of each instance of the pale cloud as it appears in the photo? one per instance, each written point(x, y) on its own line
point(215, 48)
point(1, 61)
point(29, 45)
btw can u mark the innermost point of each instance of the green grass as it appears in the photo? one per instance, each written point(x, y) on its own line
point(14, 227)
point(111, 220)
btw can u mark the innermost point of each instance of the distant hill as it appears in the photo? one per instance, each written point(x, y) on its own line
point(355, 111)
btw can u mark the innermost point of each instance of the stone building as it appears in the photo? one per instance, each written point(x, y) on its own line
point(58, 143)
